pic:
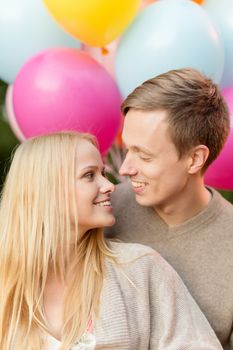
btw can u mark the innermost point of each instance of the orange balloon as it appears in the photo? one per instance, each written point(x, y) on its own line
point(198, 1)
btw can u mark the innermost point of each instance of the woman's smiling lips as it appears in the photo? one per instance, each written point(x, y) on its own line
point(104, 203)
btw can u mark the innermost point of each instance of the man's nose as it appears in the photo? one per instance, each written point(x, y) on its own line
point(128, 167)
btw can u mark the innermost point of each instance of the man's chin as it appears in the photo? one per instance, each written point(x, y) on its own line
point(142, 201)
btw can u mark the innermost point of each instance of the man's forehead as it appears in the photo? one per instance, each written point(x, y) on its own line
point(138, 142)
point(138, 120)
point(144, 125)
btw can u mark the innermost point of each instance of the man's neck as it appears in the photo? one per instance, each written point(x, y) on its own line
point(185, 207)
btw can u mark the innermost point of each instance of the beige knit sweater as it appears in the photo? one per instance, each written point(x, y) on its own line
point(200, 250)
point(145, 305)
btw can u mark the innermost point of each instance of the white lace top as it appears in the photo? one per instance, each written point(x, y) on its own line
point(87, 342)
point(53, 344)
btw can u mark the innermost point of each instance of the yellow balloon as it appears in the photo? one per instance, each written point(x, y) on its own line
point(94, 22)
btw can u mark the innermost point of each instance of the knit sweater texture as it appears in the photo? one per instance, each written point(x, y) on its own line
point(200, 250)
point(145, 306)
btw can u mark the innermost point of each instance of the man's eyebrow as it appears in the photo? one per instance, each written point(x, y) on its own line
point(144, 150)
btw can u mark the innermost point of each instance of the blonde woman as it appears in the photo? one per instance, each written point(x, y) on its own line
point(62, 286)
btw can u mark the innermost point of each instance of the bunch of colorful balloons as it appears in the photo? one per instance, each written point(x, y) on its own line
point(69, 63)
point(53, 84)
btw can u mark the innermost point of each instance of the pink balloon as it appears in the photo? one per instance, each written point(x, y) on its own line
point(11, 115)
point(66, 89)
point(220, 172)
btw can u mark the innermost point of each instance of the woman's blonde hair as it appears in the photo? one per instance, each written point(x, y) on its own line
point(35, 234)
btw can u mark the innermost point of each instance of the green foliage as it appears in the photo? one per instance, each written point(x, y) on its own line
point(228, 195)
point(3, 88)
point(113, 161)
point(7, 139)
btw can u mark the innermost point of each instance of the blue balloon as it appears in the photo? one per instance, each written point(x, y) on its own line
point(221, 13)
point(26, 28)
point(167, 35)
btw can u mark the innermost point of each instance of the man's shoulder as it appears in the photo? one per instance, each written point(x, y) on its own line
point(224, 206)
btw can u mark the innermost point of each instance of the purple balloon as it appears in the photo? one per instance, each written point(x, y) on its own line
point(66, 89)
point(220, 172)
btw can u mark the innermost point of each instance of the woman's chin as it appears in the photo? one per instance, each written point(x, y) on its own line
point(110, 222)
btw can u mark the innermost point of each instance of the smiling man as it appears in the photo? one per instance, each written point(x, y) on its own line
point(175, 126)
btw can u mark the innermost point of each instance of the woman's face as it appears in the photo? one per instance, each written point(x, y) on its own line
point(93, 190)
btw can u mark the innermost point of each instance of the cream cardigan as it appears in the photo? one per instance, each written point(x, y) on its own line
point(145, 306)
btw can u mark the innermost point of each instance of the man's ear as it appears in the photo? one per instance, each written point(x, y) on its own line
point(198, 157)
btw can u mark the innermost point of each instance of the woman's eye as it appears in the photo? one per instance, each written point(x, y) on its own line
point(89, 175)
point(103, 173)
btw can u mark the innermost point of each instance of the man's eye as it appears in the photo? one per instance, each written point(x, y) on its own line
point(145, 159)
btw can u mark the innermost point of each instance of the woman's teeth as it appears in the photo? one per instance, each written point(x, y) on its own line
point(103, 204)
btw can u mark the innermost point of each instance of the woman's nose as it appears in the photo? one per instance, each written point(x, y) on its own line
point(107, 186)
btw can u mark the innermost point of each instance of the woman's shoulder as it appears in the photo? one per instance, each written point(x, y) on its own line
point(142, 266)
point(138, 260)
point(128, 252)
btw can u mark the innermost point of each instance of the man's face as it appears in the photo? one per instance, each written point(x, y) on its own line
point(158, 176)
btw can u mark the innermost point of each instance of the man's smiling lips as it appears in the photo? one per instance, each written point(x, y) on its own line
point(138, 186)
